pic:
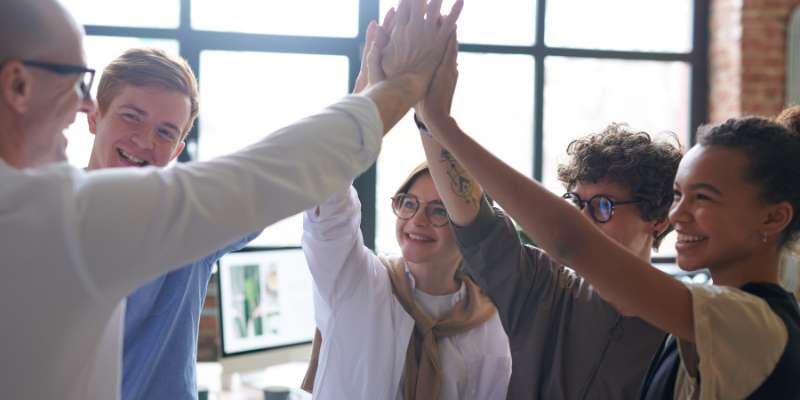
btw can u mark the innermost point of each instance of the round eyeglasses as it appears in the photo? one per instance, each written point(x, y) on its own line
point(601, 208)
point(406, 205)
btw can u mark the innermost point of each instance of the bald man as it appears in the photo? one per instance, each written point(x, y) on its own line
point(74, 243)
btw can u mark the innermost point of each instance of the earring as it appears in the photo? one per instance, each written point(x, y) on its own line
point(764, 237)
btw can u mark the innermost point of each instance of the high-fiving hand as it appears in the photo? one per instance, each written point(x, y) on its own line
point(419, 37)
point(371, 71)
point(438, 101)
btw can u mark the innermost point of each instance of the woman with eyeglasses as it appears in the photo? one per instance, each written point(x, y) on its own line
point(409, 327)
point(735, 209)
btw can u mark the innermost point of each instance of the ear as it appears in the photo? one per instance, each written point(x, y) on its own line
point(15, 86)
point(776, 218)
point(178, 150)
point(91, 117)
point(660, 226)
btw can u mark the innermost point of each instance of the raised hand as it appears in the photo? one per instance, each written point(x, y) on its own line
point(371, 71)
point(418, 41)
point(436, 105)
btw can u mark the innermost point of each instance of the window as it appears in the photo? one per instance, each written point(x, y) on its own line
point(498, 112)
point(246, 95)
point(122, 13)
point(648, 95)
point(502, 22)
point(628, 25)
point(296, 17)
point(535, 74)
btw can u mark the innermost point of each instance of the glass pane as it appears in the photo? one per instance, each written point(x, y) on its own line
point(244, 96)
point(297, 17)
point(507, 22)
point(583, 96)
point(497, 112)
point(141, 13)
point(639, 25)
point(100, 51)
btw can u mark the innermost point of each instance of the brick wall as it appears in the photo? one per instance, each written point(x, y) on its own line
point(748, 57)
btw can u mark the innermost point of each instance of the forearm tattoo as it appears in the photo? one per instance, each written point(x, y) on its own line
point(461, 185)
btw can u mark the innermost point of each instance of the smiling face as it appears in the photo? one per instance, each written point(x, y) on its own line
point(419, 241)
point(141, 126)
point(717, 214)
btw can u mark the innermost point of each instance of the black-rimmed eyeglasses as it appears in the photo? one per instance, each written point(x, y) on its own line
point(86, 74)
point(601, 208)
point(406, 205)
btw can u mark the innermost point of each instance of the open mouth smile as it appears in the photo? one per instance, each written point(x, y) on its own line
point(130, 158)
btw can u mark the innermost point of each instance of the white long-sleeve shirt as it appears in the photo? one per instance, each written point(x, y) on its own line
point(73, 244)
point(366, 331)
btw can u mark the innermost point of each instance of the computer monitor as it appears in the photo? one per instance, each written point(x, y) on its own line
point(265, 300)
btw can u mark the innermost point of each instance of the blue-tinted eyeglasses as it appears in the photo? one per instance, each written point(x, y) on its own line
point(601, 208)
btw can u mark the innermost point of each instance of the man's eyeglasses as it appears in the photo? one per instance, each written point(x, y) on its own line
point(406, 205)
point(87, 74)
point(601, 208)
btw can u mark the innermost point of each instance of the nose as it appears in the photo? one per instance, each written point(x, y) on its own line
point(420, 218)
point(679, 211)
point(143, 138)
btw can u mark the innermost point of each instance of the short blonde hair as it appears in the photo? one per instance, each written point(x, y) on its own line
point(149, 67)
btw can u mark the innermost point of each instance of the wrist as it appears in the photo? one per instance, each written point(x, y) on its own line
point(423, 129)
point(442, 123)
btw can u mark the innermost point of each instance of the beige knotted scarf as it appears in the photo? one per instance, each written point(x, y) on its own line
point(422, 373)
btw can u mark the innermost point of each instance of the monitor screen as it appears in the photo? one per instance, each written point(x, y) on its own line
point(265, 300)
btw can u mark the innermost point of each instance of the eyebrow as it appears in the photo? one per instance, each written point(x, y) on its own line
point(134, 108)
point(144, 114)
point(706, 186)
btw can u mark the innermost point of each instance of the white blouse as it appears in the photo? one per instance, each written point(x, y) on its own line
point(366, 331)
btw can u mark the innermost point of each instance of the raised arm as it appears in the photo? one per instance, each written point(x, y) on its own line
point(517, 278)
point(560, 229)
point(419, 37)
point(129, 226)
point(334, 248)
point(132, 225)
point(460, 193)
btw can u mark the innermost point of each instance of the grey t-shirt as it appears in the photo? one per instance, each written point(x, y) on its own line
point(566, 342)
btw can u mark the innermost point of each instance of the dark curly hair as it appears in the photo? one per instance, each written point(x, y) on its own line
point(790, 118)
point(630, 159)
point(772, 149)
